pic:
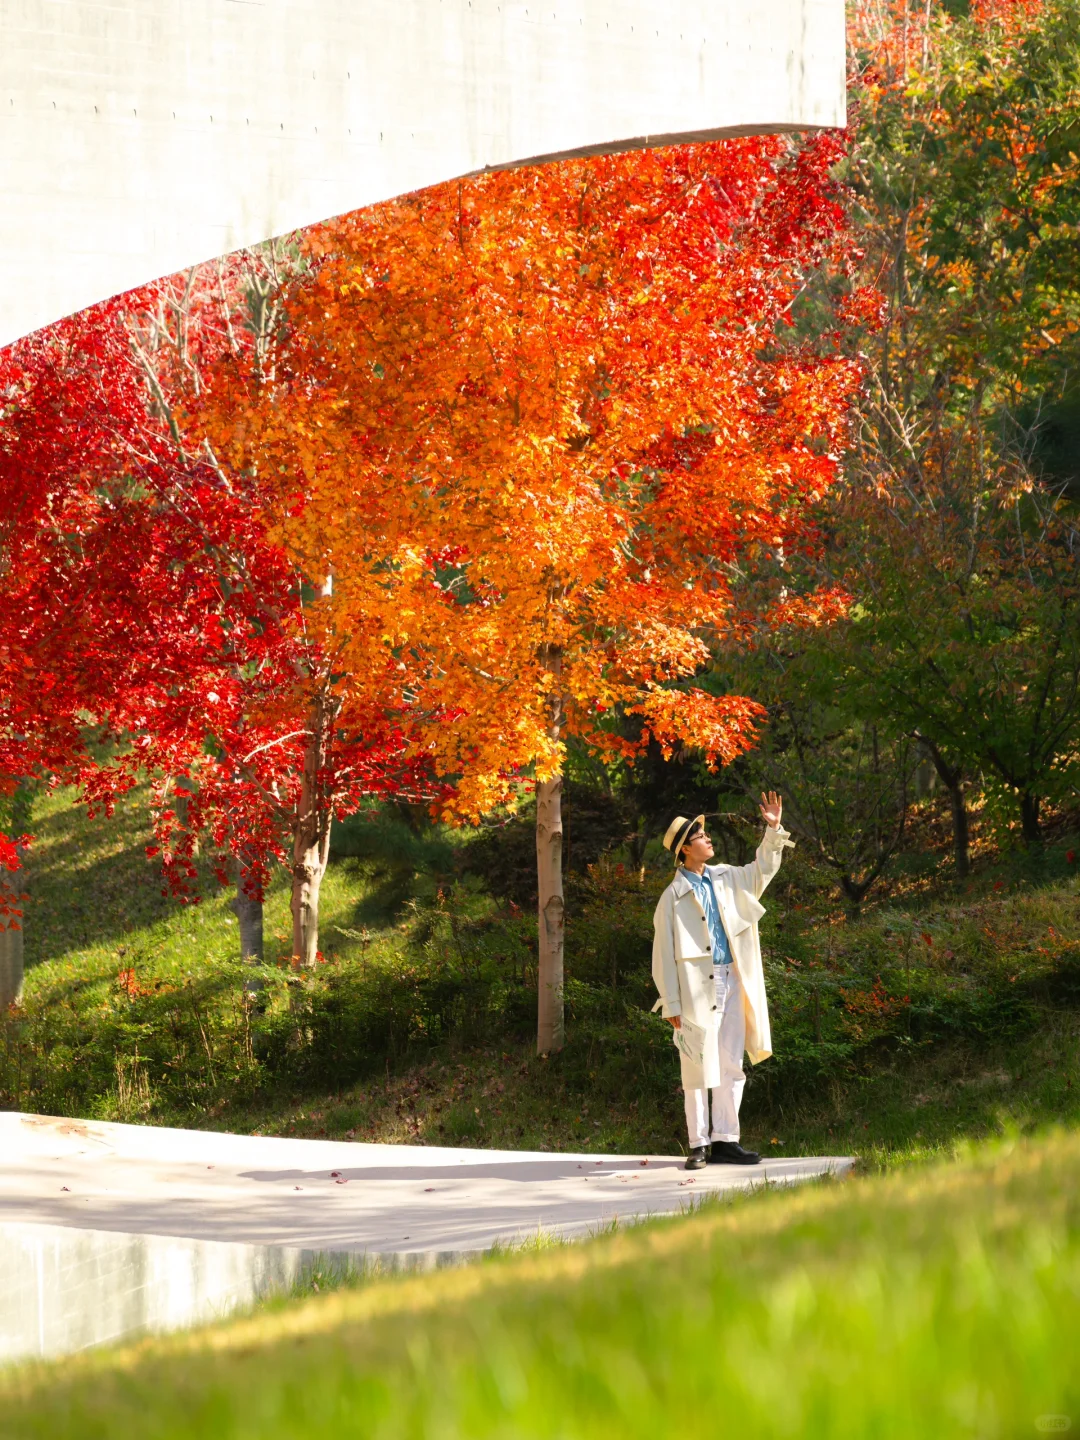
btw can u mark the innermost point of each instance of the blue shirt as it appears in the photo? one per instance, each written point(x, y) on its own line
point(703, 889)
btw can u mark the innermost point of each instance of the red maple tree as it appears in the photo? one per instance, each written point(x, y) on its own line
point(153, 629)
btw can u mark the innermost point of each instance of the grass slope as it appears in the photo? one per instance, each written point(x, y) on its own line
point(943, 1301)
point(179, 1048)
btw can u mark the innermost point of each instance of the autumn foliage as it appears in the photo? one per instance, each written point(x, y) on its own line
point(539, 417)
point(152, 628)
point(537, 425)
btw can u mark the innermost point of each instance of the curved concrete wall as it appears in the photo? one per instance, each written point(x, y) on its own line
point(140, 136)
point(66, 1289)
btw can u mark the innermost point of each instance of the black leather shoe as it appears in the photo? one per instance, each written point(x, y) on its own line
point(696, 1159)
point(730, 1152)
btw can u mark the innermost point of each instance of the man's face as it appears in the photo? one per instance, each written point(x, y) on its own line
point(699, 849)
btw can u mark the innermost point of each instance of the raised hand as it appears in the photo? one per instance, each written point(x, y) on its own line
point(771, 808)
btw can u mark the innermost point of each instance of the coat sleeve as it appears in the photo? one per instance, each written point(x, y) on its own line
point(665, 975)
point(755, 876)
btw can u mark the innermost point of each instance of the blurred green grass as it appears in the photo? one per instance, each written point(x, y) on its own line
point(939, 1302)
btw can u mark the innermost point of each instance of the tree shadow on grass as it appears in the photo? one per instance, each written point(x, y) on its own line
point(80, 899)
point(384, 900)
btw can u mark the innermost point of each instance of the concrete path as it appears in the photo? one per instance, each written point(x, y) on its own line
point(338, 1196)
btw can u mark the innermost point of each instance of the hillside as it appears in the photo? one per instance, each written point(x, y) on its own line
point(417, 1028)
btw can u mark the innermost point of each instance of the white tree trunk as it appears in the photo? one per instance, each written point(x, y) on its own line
point(249, 912)
point(309, 866)
point(311, 836)
point(550, 1030)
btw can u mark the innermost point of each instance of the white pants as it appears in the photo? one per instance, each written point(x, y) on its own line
point(727, 1096)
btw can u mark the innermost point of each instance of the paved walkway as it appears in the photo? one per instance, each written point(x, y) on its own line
point(336, 1195)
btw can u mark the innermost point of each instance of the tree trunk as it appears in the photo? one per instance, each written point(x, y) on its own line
point(309, 866)
point(961, 833)
point(181, 804)
point(855, 891)
point(550, 1019)
point(12, 883)
point(550, 1030)
point(249, 912)
point(1029, 818)
point(311, 835)
point(11, 965)
point(953, 781)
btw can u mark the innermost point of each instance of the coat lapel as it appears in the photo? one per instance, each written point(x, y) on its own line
point(734, 923)
point(682, 886)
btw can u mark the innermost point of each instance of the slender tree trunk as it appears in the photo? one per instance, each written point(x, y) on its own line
point(550, 1031)
point(309, 866)
point(1029, 818)
point(311, 836)
point(550, 1027)
point(12, 884)
point(953, 781)
point(11, 965)
point(249, 912)
point(181, 803)
point(960, 829)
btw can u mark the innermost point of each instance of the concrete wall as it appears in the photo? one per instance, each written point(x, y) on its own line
point(63, 1289)
point(66, 1289)
point(140, 136)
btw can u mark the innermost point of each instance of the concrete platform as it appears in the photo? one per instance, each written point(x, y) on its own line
point(109, 1230)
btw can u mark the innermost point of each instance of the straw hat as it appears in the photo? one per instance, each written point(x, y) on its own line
point(678, 831)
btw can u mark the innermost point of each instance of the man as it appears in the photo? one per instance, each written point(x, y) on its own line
point(707, 968)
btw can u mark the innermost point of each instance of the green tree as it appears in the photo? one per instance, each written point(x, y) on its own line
point(845, 772)
point(953, 533)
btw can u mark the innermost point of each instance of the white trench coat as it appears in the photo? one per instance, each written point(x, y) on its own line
point(682, 963)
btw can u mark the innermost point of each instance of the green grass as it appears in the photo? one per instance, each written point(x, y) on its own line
point(418, 1028)
point(97, 904)
point(940, 1302)
point(933, 1294)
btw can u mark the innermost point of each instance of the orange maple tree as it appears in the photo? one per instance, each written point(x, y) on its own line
point(537, 425)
